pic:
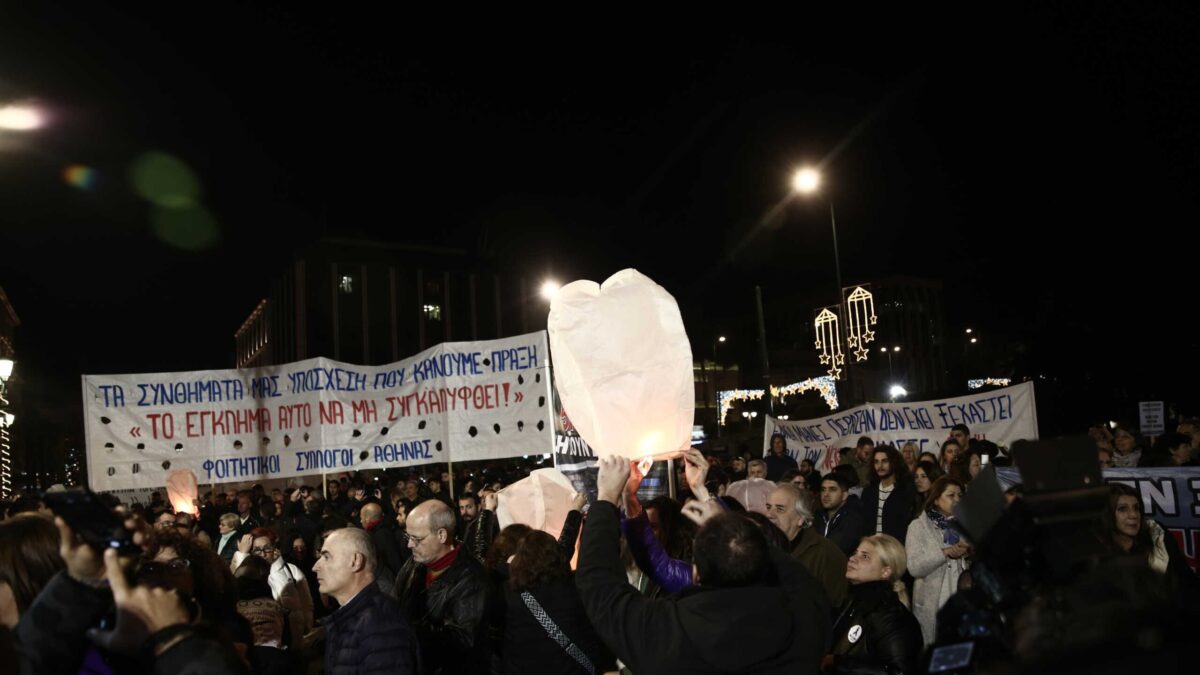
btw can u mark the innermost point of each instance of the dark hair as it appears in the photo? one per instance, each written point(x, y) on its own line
point(926, 452)
point(932, 471)
point(314, 506)
point(847, 473)
point(939, 486)
point(771, 445)
point(212, 582)
point(961, 427)
point(789, 475)
point(29, 556)
point(1108, 520)
point(676, 531)
point(775, 536)
point(732, 504)
point(469, 495)
point(251, 579)
point(840, 478)
point(864, 440)
point(731, 551)
point(899, 468)
point(810, 463)
point(961, 467)
point(505, 544)
point(538, 560)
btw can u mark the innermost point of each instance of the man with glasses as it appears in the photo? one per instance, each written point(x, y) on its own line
point(287, 582)
point(443, 593)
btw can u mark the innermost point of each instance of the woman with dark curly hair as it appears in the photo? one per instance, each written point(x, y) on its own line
point(176, 561)
point(547, 630)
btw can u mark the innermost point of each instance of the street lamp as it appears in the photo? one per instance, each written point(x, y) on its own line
point(889, 352)
point(807, 181)
point(15, 117)
point(713, 379)
point(897, 391)
point(6, 420)
point(550, 289)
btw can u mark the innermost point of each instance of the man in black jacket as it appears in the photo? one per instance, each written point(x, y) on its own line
point(749, 595)
point(887, 503)
point(386, 537)
point(369, 633)
point(443, 589)
point(840, 519)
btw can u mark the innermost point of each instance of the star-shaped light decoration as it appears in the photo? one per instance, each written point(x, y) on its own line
point(860, 316)
point(828, 342)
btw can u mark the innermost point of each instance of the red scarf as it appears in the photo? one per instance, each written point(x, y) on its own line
point(435, 569)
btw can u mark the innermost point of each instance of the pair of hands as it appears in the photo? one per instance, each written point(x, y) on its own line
point(617, 474)
point(958, 550)
point(141, 611)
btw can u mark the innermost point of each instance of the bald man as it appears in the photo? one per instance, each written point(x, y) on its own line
point(390, 550)
point(443, 593)
point(368, 633)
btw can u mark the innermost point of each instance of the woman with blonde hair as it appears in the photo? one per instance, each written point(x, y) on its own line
point(874, 631)
point(909, 452)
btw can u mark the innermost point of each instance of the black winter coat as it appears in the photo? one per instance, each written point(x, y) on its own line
point(780, 628)
point(875, 634)
point(528, 648)
point(897, 510)
point(369, 635)
point(448, 616)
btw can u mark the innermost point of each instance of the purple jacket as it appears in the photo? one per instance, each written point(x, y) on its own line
point(670, 574)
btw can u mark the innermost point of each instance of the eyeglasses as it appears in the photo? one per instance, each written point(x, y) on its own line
point(165, 524)
point(263, 550)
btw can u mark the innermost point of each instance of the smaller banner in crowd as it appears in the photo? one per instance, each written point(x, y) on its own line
point(456, 402)
point(1001, 416)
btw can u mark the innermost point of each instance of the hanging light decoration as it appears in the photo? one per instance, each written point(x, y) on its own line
point(726, 399)
point(829, 344)
point(860, 316)
point(826, 386)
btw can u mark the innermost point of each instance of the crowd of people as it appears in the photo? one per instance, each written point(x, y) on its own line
point(761, 565)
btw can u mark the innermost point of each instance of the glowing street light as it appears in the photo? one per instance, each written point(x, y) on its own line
point(806, 180)
point(720, 338)
point(20, 118)
point(550, 289)
point(969, 331)
point(897, 391)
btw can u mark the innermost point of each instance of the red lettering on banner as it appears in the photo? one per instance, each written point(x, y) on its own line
point(365, 411)
point(332, 412)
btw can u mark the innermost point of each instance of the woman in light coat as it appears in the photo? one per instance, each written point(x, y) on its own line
point(937, 556)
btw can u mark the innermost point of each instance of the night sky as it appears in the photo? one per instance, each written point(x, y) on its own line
point(1044, 164)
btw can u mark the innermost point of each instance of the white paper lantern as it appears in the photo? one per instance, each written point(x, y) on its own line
point(623, 365)
point(182, 491)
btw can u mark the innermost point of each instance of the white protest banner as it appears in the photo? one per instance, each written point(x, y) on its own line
point(1001, 416)
point(458, 401)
